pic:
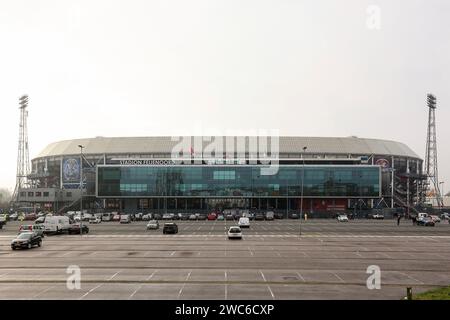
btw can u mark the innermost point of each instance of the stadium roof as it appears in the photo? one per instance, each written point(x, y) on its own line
point(164, 145)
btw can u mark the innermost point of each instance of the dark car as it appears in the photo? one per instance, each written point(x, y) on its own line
point(279, 216)
point(185, 216)
point(427, 222)
point(259, 217)
point(157, 216)
point(170, 228)
point(75, 228)
point(229, 217)
point(26, 240)
point(294, 216)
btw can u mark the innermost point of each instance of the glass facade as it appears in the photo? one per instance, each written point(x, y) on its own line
point(237, 181)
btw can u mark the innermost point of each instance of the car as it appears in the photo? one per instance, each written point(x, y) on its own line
point(56, 224)
point(26, 240)
point(39, 220)
point(138, 216)
point(220, 217)
point(212, 216)
point(36, 228)
point(107, 217)
point(116, 217)
point(170, 228)
point(193, 217)
point(445, 216)
point(202, 217)
point(153, 225)
point(157, 216)
point(184, 216)
point(167, 216)
point(95, 220)
point(270, 215)
point(279, 215)
point(234, 233)
point(435, 218)
point(377, 216)
point(244, 223)
point(30, 217)
point(13, 216)
point(342, 218)
point(75, 228)
point(147, 217)
point(125, 218)
point(294, 216)
point(229, 217)
point(425, 221)
point(259, 217)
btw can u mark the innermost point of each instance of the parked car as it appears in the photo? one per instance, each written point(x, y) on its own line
point(26, 240)
point(107, 217)
point(270, 215)
point(435, 218)
point(202, 217)
point(342, 218)
point(30, 217)
point(13, 216)
point(220, 217)
point(445, 216)
point(193, 217)
point(95, 220)
point(244, 223)
point(259, 217)
point(153, 225)
point(229, 217)
point(167, 216)
point(36, 228)
point(279, 215)
point(377, 216)
point(147, 217)
point(184, 216)
point(170, 228)
point(425, 221)
point(138, 216)
point(234, 233)
point(125, 218)
point(39, 220)
point(212, 216)
point(116, 217)
point(75, 228)
point(294, 216)
point(157, 216)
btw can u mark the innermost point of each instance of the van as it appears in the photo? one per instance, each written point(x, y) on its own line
point(244, 222)
point(107, 217)
point(56, 224)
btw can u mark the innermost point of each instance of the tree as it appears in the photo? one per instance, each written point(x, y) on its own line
point(5, 197)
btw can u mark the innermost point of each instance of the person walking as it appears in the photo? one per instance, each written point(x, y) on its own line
point(398, 219)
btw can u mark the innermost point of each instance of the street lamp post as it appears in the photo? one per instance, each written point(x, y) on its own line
point(442, 192)
point(81, 188)
point(301, 198)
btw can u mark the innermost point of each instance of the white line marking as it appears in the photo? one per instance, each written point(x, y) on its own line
point(342, 280)
point(114, 275)
point(262, 274)
point(301, 277)
point(271, 293)
point(85, 295)
point(42, 292)
point(134, 292)
point(151, 276)
point(172, 253)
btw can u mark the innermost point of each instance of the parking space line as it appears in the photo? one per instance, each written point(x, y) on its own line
point(151, 276)
point(410, 277)
point(301, 277)
point(92, 290)
point(184, 285)
point(42, 292)
point(262, 274)
point(271, 292)
point(135, 291)
point(114, 275)
point(342, 280)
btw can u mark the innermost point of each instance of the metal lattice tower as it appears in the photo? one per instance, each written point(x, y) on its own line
point(23, 158)
point(431, 163)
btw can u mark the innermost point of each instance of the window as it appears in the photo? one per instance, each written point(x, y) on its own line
point(38, 194)
point(23, 194)
point(46, 194)
point(69, 194)
point(31, 194)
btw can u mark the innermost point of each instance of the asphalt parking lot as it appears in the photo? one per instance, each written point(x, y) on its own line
point(328, 261)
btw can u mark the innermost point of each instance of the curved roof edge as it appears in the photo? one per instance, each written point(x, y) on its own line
point(287, 144)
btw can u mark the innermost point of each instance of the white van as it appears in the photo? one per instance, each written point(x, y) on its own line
point(244, 222)
point(56, 224)
point(107, 216)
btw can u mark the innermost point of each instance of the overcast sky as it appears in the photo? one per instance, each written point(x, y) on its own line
point(141, 68)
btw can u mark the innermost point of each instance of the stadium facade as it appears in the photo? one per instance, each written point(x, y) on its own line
point(144, 174)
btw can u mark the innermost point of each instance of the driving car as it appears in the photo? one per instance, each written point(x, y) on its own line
point(36, 228)
point(26, 240)
point(153, 225)
point(170, 228)
point(425, 221)
point(75, 228)
point(342, 218)
point(234, 233)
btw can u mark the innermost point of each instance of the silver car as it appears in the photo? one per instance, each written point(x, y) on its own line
point(153, 225)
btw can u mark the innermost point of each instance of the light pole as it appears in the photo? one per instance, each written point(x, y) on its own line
point(442, 192)
point(301, 198)
point(81, 188)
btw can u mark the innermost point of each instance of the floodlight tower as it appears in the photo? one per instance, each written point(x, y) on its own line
point(23, 158)
point(431, 162)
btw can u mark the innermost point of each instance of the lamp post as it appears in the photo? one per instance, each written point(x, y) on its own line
point(442, 192)
point(301, 198)
point(81, 188)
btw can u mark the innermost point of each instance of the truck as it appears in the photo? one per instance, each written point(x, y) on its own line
point(56, 224)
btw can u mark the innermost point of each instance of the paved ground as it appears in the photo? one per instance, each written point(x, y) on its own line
point(329, 261)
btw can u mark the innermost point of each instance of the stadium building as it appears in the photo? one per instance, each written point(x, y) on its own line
point(144, 174)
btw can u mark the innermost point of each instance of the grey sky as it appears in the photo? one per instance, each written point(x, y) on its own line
point(140, 68)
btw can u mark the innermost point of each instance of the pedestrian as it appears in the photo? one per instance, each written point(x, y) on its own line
point(398, 219)
point(414, 220)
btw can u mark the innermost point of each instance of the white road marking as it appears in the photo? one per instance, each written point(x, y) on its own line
point(342, 280)
point(42, 292)
point(410, 277)
point(172, 254)
point(184, 285)
point(301, 277)
point(114, 275)
point(85, 295)
point(151, 276)
point(262, 274)
point(271, 293)
point(135, 291)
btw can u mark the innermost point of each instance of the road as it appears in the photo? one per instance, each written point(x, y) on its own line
point(329, 261)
